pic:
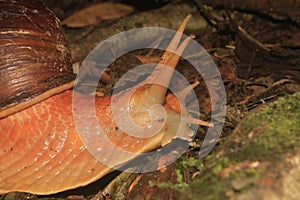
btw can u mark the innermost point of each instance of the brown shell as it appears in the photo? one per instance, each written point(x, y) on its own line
point(34, 56)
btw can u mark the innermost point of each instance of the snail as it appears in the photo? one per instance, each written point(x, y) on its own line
point(40, 150)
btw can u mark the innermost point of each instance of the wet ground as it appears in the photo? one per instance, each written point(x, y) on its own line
point(258, 56)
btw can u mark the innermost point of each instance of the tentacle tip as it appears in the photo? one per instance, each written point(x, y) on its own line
point(204, 123)
point(193, 36)
point(191, 120)
point(210, 125)
point(188, 16)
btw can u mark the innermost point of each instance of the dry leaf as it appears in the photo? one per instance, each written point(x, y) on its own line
point(96, 13)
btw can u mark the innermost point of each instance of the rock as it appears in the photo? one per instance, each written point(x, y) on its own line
point(264, 166)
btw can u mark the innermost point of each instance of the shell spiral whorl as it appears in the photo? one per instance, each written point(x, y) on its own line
point(34, 52)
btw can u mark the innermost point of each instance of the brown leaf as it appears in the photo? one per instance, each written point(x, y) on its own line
point(96, 13)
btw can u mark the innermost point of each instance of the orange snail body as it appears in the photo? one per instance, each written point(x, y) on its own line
point(40, 149)
point(42, 153)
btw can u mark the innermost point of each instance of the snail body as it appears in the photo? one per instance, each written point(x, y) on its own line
point(40, 149)
point(42, 152)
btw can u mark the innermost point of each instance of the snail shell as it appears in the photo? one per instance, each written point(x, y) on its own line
point(35, 59)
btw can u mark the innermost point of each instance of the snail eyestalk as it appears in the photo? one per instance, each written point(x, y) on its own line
point(162, 74)
point(155, 88)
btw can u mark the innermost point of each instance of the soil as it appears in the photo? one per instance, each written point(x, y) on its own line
point(257, 155)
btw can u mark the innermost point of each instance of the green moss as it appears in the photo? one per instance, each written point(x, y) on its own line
point(185, 162)
point(182, 164)
point(275, 130)
point(209, 187)
point(220, 164)
point(265, 135)
point(247, 172)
